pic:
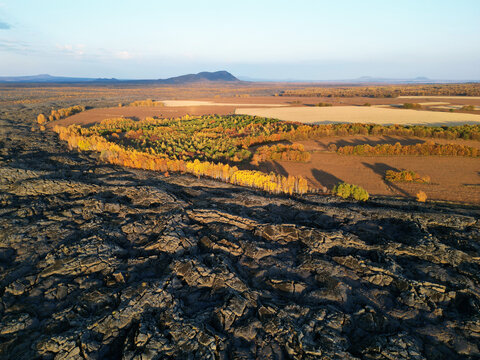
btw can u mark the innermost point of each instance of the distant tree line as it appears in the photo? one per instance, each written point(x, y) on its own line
point(148, 102)
point(388, 91)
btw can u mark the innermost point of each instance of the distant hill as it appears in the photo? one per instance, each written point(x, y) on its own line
point(46, 78)
point(205, 76)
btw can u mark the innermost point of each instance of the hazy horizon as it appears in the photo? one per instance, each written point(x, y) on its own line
point(273, 40)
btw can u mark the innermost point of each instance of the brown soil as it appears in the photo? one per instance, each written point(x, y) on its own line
point(453, 178)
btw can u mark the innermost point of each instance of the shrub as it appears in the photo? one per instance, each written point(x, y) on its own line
point(405, 176)
point(421, 196)
point(412, 106)
point(322, 104)
point(468, 108)
point(332, 147)
point(346, 191)
point(41, 119)
point(367, 104)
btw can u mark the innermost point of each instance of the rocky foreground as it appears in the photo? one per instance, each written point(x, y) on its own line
point(101, 262)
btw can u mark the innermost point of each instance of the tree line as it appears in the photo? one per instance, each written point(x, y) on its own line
point(388, 91)
point(60, 114)
point(424, 149)
point(148, 102)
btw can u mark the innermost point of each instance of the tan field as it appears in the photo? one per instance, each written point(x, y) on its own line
point(175, 103)
point(360, 114)
point(440, 97)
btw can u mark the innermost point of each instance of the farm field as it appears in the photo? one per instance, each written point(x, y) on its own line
point(453, 179)
point(230, 105)
point(439, 97)
point(357, 114)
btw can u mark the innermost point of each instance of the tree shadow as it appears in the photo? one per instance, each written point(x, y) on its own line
point(326, 179)
point(381, 169)
point(373, 142)
point(273, 166)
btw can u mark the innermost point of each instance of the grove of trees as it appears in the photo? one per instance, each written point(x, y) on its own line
point(425, 149)
point(78, 138)
point(284, 152)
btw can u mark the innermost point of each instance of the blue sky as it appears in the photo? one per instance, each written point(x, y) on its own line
point(280, 39)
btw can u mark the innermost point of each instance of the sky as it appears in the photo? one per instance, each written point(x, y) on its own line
point(259, 39)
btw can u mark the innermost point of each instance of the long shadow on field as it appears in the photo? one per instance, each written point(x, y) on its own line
point(275, 167)
point(381, 169)
point(325, 178)
point(384, 140)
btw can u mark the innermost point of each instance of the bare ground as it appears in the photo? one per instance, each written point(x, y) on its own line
point(453, 178)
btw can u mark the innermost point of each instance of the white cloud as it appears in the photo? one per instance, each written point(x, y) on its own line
point(76, 50)
point(124, 55)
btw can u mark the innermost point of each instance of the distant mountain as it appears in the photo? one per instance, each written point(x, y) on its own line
point(217, 76)
point(221, 76)
point(46, 78)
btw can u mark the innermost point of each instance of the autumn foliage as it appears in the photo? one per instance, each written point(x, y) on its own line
point(406, 176)
point(421, 196)
point(284, 152)
point(414, 106)
point(41, 119)
point(423, 149)
point(346, 191)
point(148, 102)
point(60, 114)
point(113, 153)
